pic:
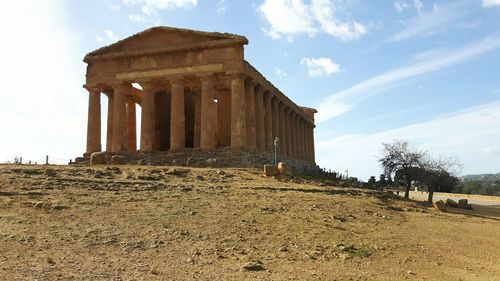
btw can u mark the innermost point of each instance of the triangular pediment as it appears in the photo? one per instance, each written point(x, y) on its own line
point(165, 37)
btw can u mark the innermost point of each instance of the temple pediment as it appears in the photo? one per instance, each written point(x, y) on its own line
point(157, 39)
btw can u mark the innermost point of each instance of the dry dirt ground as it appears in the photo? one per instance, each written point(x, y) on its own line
point(166, 223)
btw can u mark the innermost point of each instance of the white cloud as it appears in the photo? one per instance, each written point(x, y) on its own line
point(341, 102)
point(418, 5)
point(42, 102)
point(151, 7)
point(290, 17)
point(471, 135)
point(491, 3)
point(111, 36)
point(99, 38)
point(320, 66)
point(221, 7)
point(400, 6)
point(137, 18)
point(280, 73)
point(431, 22)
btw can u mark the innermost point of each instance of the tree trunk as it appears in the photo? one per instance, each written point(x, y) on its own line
point(431, 195)
point(407, 190)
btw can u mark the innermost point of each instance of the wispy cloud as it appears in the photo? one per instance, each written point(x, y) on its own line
point(491, 3)
point(221, 7)
point(290, 17)
point(279, 72)
point(400, 6)
point(151, 7)
point(320, 66)
point(430, 22)
point(343, 101)
point(111, 36)
point(478, 149)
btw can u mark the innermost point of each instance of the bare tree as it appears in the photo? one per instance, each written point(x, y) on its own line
point(439, 174)
point(398, 155)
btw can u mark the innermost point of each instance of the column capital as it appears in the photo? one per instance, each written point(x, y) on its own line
point(250, 81)
point(238, 75)
point(123, 86)
point(207, 78)
point(92, 88)
point(177, 80)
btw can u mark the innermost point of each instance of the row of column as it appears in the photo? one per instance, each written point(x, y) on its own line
point(257, 118)
point(266, 117)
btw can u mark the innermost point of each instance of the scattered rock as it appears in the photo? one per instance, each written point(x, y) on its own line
point(464, 204)
point(50, 172)
point(97, 158)
point(440, 205)
point(451, 203)
point(409, 272)
point(254, 266)
point(270, 170)
point(118, 159)
point(200, 177)
point(51, 261)
point(285, 169)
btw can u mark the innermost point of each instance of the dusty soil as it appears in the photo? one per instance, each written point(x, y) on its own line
point(165, 223)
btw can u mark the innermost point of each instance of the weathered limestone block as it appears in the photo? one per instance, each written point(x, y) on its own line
point(464, 204)
point(451, 203)
point(118, 159)
point(97, 158)
point(285, 169)
point(270, 170)
point(440, 205)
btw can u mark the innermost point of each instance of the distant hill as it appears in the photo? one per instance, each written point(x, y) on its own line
point(482, 178)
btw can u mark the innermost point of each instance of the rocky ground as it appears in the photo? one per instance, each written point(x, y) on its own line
point(166, 223)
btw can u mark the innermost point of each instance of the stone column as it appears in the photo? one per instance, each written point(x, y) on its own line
point(177, 118)
point(109, 126)
point(208, 113)
point(313, 156)
point(288, 132)
point(308, 142)
point(294, 134)
point(250, 112)
point(119, 118)
point(268, 122)
point(282, 132)
point(131, 125)
point(238, 111)
point(94, 122)
point(276, 120)
point(148, 117)
point(197, 120)
point(259, 119)
point(301, 139)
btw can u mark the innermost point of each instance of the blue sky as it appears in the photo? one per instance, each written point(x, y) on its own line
point(424, 71)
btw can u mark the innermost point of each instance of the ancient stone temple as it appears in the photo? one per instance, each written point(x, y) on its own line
point(199, 99)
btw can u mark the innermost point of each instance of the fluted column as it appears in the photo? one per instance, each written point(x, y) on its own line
point(208, 113)
point(238, 111)
point(109, 126)
point(308, 141)
point(268, 121)
point(94, 121)
point(294, 135)
point(313, 156)
point(288, 132)
point(250, 112)
point(282, 132)
point(131, 126)
point(148, 117)
point(276, 120)
point(177, 117)
point(259, 119)
point(120, 117)
point(302, 140)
